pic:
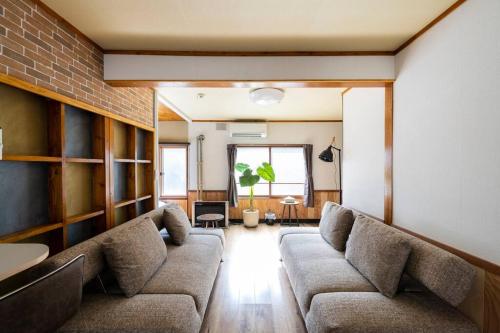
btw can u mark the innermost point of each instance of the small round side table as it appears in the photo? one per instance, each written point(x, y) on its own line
point(212, 219)
point(289, 205)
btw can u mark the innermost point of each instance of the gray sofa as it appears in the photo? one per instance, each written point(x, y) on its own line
point(333, 296)
point(173, 300)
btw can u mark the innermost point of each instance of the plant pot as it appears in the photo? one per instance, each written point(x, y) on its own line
point(251, 218)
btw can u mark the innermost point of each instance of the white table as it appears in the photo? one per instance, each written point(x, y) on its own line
point(15, 258)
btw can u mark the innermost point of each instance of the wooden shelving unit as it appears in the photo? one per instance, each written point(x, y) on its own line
point(68, 172)
point(132, 171)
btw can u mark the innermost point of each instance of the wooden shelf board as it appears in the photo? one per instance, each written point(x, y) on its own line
point(124, 160)
point(31, 158)
point(34, 231)
point(83, 217)
point(84, 160)
point(144, 197)
point(144, 161)
point(125, 202)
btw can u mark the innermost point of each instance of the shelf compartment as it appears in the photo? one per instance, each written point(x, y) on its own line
point(80, 232)
point(84, 160)
point(32, 158)
point(83, 217)
point(83, 134)
point(123, 141)
point(123, 203)
point(24, 185)
point(30, 232)
point(124, 213)
point(124, 186)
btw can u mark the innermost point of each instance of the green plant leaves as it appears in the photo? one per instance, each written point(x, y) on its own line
point(266, 171)
point(249, 179)
point(241, 167)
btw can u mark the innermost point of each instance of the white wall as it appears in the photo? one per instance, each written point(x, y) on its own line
point(363, 155)
point(215, 153)
point(447, 131)
point(151, 67)
point(172, 131)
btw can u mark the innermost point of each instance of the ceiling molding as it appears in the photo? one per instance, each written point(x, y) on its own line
point(430, 25)
point(252, 53)
point(70, 26)
point(251, 83)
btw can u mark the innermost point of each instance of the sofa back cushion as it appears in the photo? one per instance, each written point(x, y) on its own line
point(335, 225)
point(378, 252)
point(134, 256)
point(445, 274)
point(177, 224)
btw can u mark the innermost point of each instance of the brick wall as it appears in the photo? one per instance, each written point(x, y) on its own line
point(38, 48)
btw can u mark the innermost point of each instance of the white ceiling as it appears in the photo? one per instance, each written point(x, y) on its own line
point(235, 104)
point(256, 25)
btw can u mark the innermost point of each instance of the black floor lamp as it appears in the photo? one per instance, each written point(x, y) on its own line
point(327, 156)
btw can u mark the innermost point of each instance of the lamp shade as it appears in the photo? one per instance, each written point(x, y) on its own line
point(326, 155)
point(266, 96)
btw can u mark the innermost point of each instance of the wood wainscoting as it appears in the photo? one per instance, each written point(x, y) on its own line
point(262, 203)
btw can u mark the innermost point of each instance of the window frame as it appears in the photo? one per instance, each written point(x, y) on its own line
point(269, 148)
point(161, 175)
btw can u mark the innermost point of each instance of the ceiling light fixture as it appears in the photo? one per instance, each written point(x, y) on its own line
point(266, 96)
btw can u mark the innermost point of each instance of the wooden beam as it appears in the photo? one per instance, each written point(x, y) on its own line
point(388, 153)
point(250, 83)
point(267, 121)
point(251, 53)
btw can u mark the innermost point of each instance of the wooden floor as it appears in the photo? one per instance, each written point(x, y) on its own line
point(252, 292)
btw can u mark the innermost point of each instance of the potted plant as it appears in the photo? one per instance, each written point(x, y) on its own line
point(249, 179)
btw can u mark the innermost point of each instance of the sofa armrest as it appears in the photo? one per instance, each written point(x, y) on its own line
point(210, 232)
point(294, 231)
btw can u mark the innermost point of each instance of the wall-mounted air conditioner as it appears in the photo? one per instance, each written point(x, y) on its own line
point(248, 130)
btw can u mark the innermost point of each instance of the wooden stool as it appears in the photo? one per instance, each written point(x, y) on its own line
point(289, 205)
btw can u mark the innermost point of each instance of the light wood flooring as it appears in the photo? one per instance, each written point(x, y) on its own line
point(252, 292)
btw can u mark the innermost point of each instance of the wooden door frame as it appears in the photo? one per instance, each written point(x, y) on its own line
point(348, 84)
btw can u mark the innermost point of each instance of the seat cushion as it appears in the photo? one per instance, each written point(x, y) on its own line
point(190, 269)
point(141, 313)
point(134, 256)
point(314, 276)
point(177, 224)
point(292, 231)
point(336, 224)
point(307, 246)
point(375, 313)
point(379, 252)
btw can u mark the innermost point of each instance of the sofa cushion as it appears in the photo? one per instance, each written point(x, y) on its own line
point(210, 232)
point(134, 256)
point(379, 252)
point(141, 313)
point(313, 277)
point(374, 313)
point(191, 269)
point(177, 224)
point(303, 247)
point(445, 274)
point(335, 225)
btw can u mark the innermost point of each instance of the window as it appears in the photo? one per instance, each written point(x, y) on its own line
point(173, 170)
point(288, 164)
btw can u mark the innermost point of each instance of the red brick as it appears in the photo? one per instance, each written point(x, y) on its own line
point(20, 75)
point(29, 36)
point(18, 57)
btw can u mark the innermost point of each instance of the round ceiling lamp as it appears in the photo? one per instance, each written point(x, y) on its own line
point(266, 96)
